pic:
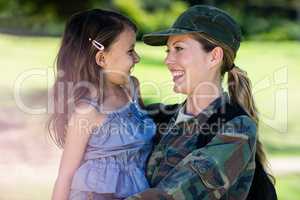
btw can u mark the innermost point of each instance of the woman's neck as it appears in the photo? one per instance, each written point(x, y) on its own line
point(202, 97)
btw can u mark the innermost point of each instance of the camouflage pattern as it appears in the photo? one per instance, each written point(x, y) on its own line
point(222, 169)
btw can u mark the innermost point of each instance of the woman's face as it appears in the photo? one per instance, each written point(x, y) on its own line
point(188, 63)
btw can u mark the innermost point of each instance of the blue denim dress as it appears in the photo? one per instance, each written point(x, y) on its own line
point(115, 159)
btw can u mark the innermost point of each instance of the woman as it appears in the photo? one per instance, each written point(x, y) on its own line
point(210, 148)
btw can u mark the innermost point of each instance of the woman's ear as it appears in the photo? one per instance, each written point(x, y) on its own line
point(100, 60)
point(216, 56)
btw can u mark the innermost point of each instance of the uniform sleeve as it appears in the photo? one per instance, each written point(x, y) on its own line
point(208, 172)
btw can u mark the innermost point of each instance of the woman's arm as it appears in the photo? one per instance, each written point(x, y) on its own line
point(208, 172)
point(77, 136)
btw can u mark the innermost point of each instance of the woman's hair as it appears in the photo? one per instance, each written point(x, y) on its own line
point(77, 71)
point(239, 85)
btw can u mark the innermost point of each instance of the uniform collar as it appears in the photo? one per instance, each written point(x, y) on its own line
point(212, 108)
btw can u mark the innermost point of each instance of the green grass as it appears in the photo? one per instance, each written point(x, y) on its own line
point(262, 60)
point(288, 187)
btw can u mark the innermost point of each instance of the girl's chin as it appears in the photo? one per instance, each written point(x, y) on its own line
point(118, 79)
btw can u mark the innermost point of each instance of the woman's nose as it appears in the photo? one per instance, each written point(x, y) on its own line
point(169, 59)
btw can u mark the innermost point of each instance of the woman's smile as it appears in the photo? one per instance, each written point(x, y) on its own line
point(177, 75)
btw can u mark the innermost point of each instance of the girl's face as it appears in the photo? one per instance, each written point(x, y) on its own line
point(188, 63)
point(120, 58)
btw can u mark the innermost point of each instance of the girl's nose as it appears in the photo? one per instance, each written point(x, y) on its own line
point(136, 58)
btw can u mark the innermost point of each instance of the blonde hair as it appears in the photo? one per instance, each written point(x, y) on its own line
point(239, 85)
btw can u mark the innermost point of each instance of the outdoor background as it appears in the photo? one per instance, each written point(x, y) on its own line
point(30, 33)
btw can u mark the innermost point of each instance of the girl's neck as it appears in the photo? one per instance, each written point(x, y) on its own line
point(202, 97)
point(114, 91)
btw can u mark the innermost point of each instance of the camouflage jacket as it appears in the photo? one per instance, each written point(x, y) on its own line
point(198, 159)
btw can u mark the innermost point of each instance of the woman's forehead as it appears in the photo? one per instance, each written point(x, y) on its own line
point(186, 38)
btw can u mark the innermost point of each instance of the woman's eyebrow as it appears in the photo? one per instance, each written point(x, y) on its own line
point(172, 44)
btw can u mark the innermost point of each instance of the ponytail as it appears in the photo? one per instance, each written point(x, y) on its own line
point(239, 88)
point(239, 85)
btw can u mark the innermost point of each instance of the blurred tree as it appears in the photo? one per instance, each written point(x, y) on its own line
point(273, 19)
point(50, 15)
point(151, 17)
point(152, 6)
point(61, 8)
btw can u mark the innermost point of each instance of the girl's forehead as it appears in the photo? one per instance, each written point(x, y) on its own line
point(125, 39)
point(127, 36)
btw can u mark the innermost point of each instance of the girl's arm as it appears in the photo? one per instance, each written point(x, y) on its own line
point(77, 136)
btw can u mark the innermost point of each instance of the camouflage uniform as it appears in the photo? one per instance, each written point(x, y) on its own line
point(221, 167)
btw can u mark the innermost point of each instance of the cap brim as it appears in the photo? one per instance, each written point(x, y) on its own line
point(160, 38)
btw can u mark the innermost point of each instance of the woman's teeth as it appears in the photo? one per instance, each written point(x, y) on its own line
point(177, 74)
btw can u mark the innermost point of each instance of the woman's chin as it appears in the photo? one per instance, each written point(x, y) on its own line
point(179, 89)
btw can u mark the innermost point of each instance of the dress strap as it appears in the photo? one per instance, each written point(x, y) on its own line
point(133, 90)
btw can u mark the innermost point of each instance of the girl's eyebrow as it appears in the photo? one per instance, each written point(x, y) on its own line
point(132, 46)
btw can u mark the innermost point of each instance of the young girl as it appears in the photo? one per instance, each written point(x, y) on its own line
point(97, 119)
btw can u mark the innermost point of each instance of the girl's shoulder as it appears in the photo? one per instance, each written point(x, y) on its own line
point(79, 127)
point(86, 114)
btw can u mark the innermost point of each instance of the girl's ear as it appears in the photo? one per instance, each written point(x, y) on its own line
point(100, 60)
point(216, 56)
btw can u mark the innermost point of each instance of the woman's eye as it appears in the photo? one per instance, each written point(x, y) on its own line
point(178, 48)
point(175, 48)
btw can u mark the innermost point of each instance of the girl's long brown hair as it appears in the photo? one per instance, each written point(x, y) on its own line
point(239, 86)
point(76, 67)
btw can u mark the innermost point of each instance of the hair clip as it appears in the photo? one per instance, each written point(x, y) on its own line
point(96, 44)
